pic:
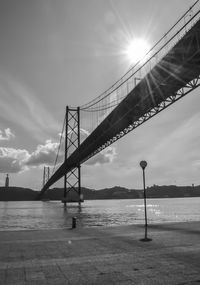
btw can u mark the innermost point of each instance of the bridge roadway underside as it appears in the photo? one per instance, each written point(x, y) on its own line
point(174, 71)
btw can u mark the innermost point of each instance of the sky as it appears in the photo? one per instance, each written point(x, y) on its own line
point(67, 52)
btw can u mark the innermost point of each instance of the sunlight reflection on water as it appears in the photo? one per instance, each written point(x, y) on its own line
point(52, 215)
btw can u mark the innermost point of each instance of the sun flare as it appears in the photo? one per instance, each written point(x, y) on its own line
point(137, 50)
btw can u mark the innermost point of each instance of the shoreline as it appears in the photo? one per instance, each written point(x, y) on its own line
point(102, 199)
point(103, 227)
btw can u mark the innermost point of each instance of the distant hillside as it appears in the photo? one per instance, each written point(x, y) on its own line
point(17, 194)
point(89, 194)
point(117, 192)
point(171, 191)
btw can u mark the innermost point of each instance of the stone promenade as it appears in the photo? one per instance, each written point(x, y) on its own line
point(112, 255)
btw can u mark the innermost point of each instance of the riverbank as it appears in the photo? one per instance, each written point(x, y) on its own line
point(106, 255)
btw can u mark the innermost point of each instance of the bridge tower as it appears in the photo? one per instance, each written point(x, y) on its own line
point(46, 174)
point(72, 180)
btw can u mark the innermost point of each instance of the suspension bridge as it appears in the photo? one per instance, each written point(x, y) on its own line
point(168, 72)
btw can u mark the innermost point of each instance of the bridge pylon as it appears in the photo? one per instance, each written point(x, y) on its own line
point(46, 174)
point(72, 179)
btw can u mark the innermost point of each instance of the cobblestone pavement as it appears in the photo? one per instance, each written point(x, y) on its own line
point(112, 255)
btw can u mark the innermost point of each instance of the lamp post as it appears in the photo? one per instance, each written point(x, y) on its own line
point(143, 165)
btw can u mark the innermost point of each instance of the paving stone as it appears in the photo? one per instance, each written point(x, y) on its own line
point(102, 256)
point(16, 282)
point(58, 281)
point(36, 282)
point(52, 272)
point(34, 274)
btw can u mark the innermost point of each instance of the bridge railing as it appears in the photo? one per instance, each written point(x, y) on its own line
point(93, 113)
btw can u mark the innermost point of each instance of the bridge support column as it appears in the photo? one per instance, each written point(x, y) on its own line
point(72, 180)
point(46, 175)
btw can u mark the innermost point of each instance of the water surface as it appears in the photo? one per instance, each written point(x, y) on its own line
point(52, 215)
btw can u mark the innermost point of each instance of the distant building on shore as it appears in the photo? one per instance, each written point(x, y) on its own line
point(7, 181)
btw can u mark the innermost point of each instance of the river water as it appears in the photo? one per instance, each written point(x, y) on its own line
point(33, 215)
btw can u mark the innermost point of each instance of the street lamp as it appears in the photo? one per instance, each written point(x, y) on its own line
point(143, 165)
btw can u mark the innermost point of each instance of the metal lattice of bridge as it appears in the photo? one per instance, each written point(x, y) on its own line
point(169, 71)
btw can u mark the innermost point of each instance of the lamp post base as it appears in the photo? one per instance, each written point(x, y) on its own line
point(145, 239)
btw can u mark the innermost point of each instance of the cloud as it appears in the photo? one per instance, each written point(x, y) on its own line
point(84, 133)
point(6, 135)
point(45, 154)
point(16, 160)
point(105, 156)
point(12, 160)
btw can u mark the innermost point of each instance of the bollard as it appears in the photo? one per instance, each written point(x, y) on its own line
point(73, 222)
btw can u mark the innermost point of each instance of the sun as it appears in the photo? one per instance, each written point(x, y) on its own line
point(137, 50)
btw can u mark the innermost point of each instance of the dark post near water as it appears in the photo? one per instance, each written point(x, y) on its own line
point(143, 165)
